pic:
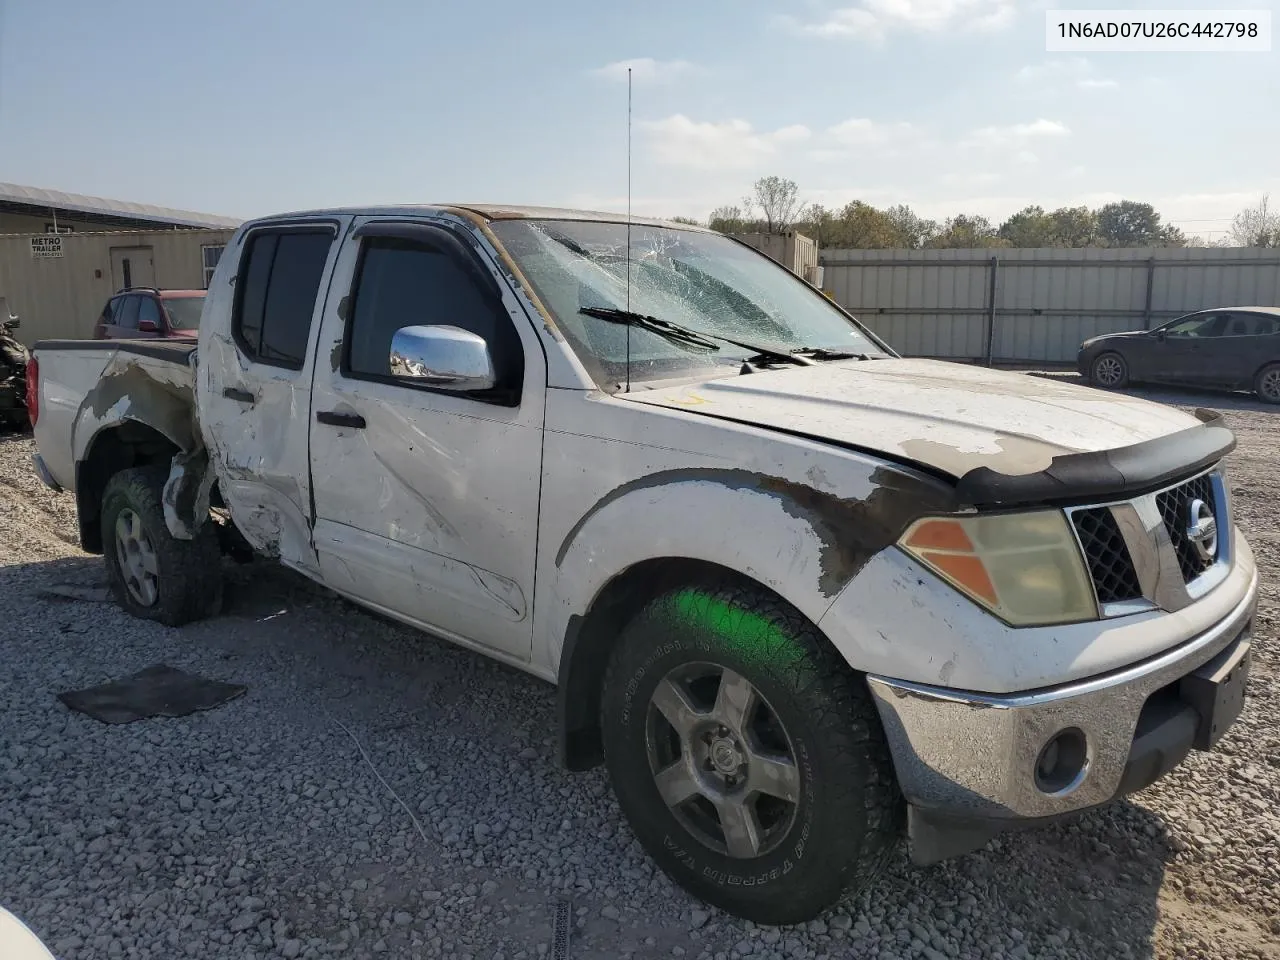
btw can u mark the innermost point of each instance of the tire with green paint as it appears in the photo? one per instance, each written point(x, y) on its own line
point(152, 574)
point(747, 756)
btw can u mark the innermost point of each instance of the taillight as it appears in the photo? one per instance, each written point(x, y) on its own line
point(33, 390)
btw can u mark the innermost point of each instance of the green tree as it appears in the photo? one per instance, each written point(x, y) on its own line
point(963, 230)
point(687, 220)
point(863, 227)
point(912, 231)
point(1074, 226)
point(729, 219)
point(1030, 227)
point(1128, 223)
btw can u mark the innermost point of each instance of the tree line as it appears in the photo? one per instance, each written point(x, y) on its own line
point(774, 205)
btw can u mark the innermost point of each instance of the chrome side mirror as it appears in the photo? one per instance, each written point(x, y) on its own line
point(446, 357)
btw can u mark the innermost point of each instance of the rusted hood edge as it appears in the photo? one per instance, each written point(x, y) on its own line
point(1095, 475)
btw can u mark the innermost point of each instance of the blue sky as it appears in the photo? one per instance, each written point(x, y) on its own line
point(245, 108)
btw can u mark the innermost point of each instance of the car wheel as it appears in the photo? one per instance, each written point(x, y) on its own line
point(747, 756)
point(1109, 371)
point(1266, 385)
point(152, 574)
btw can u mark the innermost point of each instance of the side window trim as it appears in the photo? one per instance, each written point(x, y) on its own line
point(254, 355)
point(446, 242)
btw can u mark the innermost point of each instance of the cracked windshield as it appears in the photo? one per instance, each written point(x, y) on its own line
point(702, 283)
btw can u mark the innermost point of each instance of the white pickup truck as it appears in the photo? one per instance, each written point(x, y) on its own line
point(800, 595)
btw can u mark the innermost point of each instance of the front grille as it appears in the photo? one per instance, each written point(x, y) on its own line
point(1174, 506)
point(1114, 576)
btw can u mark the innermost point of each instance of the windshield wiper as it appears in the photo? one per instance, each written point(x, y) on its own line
point(828, 353)
point(679, 334)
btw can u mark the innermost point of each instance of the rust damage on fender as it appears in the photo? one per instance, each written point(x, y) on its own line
point(851, 531)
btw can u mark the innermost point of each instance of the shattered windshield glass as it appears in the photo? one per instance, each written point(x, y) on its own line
point(701, 281)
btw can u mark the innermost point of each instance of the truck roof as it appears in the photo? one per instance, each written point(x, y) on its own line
point(484, 212)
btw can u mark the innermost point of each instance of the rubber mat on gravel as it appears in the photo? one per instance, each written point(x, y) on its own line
point(159, 691)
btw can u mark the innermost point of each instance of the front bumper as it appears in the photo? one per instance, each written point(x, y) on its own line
point(967, 762)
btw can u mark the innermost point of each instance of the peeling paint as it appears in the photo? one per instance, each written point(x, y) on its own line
point(186, 494)
point(850, 531)
point(158, 395)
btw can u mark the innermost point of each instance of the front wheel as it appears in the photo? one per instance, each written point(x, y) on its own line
point(1266, 385)
point(1109, 371)
point(747, 756)
point(154, 575)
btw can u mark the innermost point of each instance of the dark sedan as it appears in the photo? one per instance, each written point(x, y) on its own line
point(1230, 348)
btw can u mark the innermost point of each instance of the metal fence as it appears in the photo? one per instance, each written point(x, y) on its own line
point(1037, 305)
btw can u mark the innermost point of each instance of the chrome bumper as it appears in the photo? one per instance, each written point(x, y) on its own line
point(973, 756)
point(43, 473)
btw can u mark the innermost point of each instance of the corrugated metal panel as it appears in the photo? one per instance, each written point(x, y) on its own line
point(935, 302)
point(62, 297)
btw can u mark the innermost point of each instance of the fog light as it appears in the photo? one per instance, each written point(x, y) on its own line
point(1062, 762)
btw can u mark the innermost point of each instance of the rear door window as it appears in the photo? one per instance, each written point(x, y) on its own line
point(276, 292)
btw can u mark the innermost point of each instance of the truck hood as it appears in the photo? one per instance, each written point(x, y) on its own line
point(949, 417)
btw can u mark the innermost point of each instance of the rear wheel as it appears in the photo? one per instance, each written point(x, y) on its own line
point(1266, 385)
point(1109, 371)
point(747, 756)
point(154, 575)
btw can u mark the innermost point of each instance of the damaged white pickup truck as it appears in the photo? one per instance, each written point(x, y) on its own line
point(799, 594)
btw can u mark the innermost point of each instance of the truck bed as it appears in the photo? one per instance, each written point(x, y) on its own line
point(86, 386)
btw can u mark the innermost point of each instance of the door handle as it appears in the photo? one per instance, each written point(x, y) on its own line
point(334, 419)
point(240, 396)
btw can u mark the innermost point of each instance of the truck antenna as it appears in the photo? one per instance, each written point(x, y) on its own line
point(628, 326)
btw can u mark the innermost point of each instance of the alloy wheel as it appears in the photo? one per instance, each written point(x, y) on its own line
point(139, 565)
point(722, 760)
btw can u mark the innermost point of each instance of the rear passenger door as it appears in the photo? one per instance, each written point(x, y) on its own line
point(1247, 344)
point(255, 381)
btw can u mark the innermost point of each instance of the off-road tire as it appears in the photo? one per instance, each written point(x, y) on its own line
point(1106, 383)
point(189, 574)
point(1266, 385)
point(850, 815)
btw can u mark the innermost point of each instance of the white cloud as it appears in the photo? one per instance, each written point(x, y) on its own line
point(645, 70)
point(679, 141)
point(860, 131)
point(861, 137)
point(1076, 71)
point(873, 19)
point(1016, 135)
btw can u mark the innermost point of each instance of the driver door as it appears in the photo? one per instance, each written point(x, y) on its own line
point(426, 496)
point(1189, 348)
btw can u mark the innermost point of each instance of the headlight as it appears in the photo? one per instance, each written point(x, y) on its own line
point(1026, 568)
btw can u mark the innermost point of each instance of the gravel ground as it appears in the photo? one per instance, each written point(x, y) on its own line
point(381, 793)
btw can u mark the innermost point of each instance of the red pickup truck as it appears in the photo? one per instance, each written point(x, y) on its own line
point(145, 313)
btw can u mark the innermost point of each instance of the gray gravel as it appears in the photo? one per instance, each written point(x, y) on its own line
point(378, 793)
